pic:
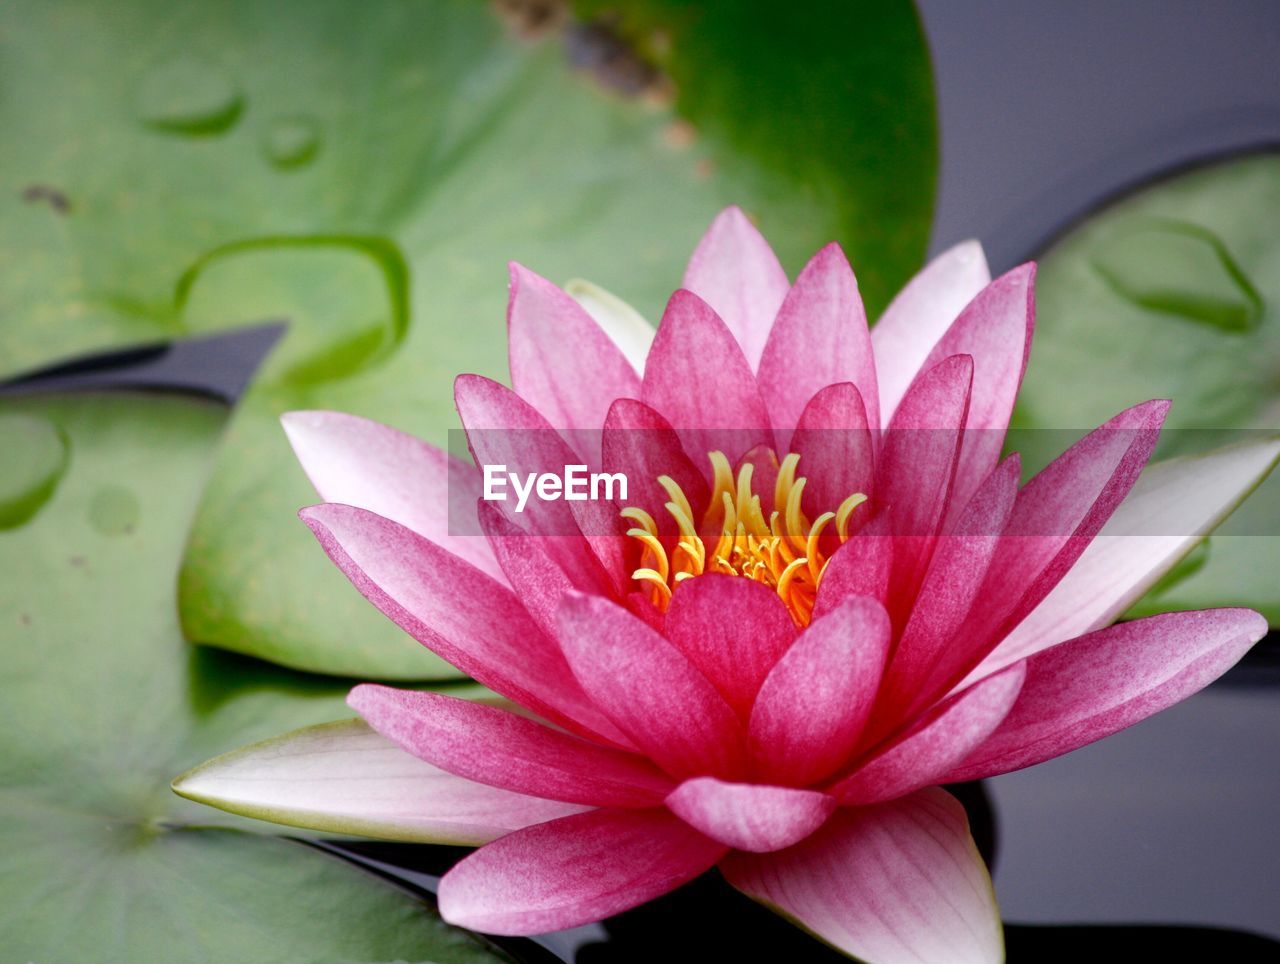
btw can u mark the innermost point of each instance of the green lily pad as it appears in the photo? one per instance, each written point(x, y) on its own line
point(1174, 292)
point(102, 702)
point(365, 171)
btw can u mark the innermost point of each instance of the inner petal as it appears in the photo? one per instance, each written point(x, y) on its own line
point(738, 534)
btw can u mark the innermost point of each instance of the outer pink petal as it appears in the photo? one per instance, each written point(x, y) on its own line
point(1056, 516)
point(820, 338)
point(561, 361)
point(995, 330)
point(651, 690)
point(503, 429)
point(916, 470)
point(454, 610)
point(363, 463)
point(733, 630)
point(929, 654)
point(735, 271)
point(836, 448)
point(897, 883)
point(698, 378)
point(813, 705)
point(923, 755)
point(574, 871)
point(1090, 687)
point(1169, 510)
point(749, 816)
point(533, 574)
point(920, 315)
point(344, 778)
point(494, 746)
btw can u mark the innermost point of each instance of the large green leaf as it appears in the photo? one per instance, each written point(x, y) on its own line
point(1174, 292)
point(365, 170)
point(102, 703)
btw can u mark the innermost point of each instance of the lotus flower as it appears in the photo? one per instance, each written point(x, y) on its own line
point(825, 595)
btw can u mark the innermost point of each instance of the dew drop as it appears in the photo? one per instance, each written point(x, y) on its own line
point(190, 96)
point(291, 142)
point(1180, 269)
point(113, 510)
point(35, 458)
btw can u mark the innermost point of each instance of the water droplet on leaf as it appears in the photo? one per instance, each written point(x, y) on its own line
point(35, 458)
point(1180, 269)
point(291, 142)
point(113, 511)
point(191, 96)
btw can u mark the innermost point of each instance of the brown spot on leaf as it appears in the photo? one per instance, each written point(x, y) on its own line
point(598, 47)
point(679, 134)
point(601, 50)
point(78, 562)
point(38, 193)
point(25, 619)
point(532, 19)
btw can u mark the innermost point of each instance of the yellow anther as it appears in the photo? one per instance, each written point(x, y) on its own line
point(789, 575)
point(796, 525)
point(654, 549)
point(683, 520)
point(676, 494)
point(843, 513)
point(786, 479)
point(640, 517)
point(811, 545)
point(656, 581)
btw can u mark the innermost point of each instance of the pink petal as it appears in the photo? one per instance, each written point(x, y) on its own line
point(624, 325)
point(995, 330)
point(1169, 510)
point(651, 690)
point(922, 755)
point(917, 466)
point(861, 567)
point(897, 883)
point(697, 377)
point(561, 361)
point(749, 816)
point(920, 315)
point(836, 447)
point(733, 630)
point(820, 338)
point(1055, 517)
point(574, 871)
point(641, 444)
point(497, 747)
point(359, 462)
point(346, 779)
point(535, 578)
point(454, 610)
point(503, 429)
point(735, 271)
point(1090, 687)
point(814, 703)
point(930, 653)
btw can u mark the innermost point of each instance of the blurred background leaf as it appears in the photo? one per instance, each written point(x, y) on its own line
point(102, 703)
point(1173, 292)
point(365, 171)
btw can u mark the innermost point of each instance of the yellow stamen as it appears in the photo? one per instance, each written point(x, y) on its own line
point(783, 551)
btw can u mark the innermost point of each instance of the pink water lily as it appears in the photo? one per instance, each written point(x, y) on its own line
point(826, 595)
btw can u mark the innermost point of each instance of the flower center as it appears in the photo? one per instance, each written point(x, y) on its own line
point(785, 552)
